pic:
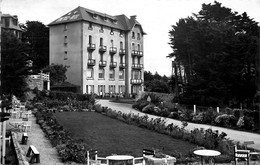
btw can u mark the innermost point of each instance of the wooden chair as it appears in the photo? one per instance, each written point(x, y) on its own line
point(93, 159)
point(253, 154)
point(26, 126)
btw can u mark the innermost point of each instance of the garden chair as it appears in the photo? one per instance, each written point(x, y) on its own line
point(253, 154)
point(93, 159)
point(26, 126)
point(241, 155)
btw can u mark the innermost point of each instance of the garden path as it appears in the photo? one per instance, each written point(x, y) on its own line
point(235, 135)
point(36, 137)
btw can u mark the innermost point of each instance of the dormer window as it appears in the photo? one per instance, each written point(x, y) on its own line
point(95, 15)
point(112, 31)
point(115, 21)
point(105, 18)
point(90, 27)
point(138, 36)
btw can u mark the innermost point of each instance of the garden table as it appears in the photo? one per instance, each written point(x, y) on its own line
point(206, 153)
point(120, 160)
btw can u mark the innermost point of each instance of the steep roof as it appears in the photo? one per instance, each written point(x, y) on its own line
point(120, 22)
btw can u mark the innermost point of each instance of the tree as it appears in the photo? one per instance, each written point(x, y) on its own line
point(37, 35)
point(15, 65)
point(57, 73)
point(155, 83)
point(217, 48)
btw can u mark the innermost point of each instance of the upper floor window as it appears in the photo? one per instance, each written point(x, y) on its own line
point(112, 43)
point(65, 55)
point(101, 41)
point(101, 73)
point(138, 36)
point(121, 33)
point(138, 47)
point(133, 35)
point(133, 46)
point(65, 27)
point(90, 73)
point(101, 30)
point(65, 40)
point(15, 22)
point(112, 31)
point(90, 26)
point(90, 39)
point(121, 45)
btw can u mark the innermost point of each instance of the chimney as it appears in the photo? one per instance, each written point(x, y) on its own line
point(133, 17)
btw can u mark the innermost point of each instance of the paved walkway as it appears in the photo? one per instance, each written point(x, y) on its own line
point(240, 136)
point(36, 137)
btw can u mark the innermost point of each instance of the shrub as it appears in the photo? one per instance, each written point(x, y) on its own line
point(225, 120)
point(149, 109)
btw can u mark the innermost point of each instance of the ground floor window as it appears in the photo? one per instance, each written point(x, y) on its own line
point(121, 89)
point(90, 89)
point(112, 74)
point(135, 89)
point(90, 73)
point(101, 90)
point(112, 89)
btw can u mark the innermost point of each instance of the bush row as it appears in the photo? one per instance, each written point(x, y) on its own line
point(242, 119)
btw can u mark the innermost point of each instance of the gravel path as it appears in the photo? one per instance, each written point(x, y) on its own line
point(36, 137)
point(240, 136)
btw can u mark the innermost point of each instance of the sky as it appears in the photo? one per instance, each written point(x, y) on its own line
point(155, 16)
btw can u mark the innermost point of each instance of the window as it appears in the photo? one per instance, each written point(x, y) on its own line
point(89, 55)
point(111, 58)
point(90, 39)
point(121, 74)
point(90, 27)
point(89, 89)
point(133, 60)
point(101, 89)
point(101, 57)
point(112, 74)
point(90, 73)
point(112, 31)
point(138, 36)
point(112, 89)
point(121, 45)
point(101, 30)
point(121, 89)
point(121, 59)
point(133, 35)
point(65, 27)
point(101, 73)
point(101, 41)
point(138, 60)
point(133, 46)
point(65, 41)
point(112, 43)
point(105, 18)
point(121, 34)
point(15, 22)
point(136, 75)
point(65, 55)
point(95, 15)
point(138, 47)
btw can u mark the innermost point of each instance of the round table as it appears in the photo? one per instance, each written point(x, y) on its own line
point(120, 160)
point(206, 153)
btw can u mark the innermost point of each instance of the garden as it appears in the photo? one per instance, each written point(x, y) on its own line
point(74, 129)
point(239, 119)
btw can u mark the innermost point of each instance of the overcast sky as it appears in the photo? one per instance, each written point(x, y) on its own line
point(156, 17)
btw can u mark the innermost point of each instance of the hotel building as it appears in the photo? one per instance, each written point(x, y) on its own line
point(104, 53)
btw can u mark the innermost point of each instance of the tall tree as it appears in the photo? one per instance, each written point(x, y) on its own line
point(217, 48)
point(14, 65)
point(57, 73)
point(37, 35)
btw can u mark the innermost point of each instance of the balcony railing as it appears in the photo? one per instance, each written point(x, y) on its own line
point(122, 51)
point(122, 65)
point(102, 48)
point(134, 53)
point(113, 64)
point(140, 53)
point(102, 63)
point(91, 46)
point(112, 50)
point(136, 81)
point(137, 66)
point(91, 62)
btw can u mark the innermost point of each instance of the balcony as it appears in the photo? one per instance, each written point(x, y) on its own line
point(140, 53)
point(91, 62)
point(112, 50)
point(91, 46)
point(122, 52)
point(113, 64)
point(102, 48)
point(136, 81)
point(122, 65)
point(102, 63)
point(137, 66)
point(134, 53)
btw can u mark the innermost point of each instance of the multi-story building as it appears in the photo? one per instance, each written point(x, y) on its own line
point(10, 23)
point(104, 53)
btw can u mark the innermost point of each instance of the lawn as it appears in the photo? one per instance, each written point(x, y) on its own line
point(111, 136)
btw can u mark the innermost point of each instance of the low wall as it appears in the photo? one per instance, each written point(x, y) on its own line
point(21, 159)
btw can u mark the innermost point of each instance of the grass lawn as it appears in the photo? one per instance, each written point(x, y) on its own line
point(111, 136)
